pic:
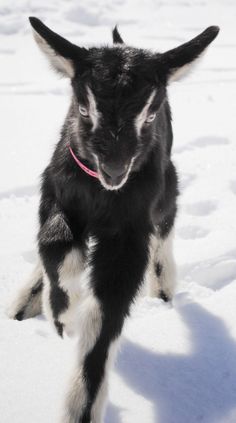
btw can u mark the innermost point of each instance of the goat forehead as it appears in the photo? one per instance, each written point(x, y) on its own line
point(122, 66)
point(121, 57)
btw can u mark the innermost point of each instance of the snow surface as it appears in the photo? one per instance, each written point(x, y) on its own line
point(176, 364)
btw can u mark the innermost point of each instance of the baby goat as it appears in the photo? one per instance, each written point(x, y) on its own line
point(108, 201)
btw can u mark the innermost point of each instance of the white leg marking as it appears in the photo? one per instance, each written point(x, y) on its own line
point(142, 116)
point(161, 251)
point(98, 409)
point(69, 272)
point(23, 300)
point(46, 306)
point(90, 323)
point(69, 280)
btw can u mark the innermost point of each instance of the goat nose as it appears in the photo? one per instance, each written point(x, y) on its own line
point(114, 171)
point(114, 174)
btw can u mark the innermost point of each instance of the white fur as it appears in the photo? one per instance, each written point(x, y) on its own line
point(69, 272)
point(93, 111)
point(76, 398)
point(32, 307)
point(69, 280)
point(90, 323)
point(59, 63)
point(98, 409)
point(142, 116)
point(179, 73)
point(161, 251)
point(46, 306)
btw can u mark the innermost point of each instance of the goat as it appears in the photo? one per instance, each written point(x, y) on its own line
point(108, 201)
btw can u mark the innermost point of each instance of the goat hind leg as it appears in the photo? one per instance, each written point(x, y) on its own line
point(28, 301)
point(162, 269)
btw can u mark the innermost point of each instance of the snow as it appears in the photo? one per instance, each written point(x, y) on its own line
point(176, 363)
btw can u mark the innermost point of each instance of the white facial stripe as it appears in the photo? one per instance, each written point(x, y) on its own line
point(93, 112)
point(142, 116)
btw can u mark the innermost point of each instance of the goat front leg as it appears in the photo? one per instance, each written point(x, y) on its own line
point(62, 263)
point(118, 265)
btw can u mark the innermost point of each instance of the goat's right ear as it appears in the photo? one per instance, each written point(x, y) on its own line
point(62, 54)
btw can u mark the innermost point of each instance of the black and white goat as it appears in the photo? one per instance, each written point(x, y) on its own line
point(108, 201)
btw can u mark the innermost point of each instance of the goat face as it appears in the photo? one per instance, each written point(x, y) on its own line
point(116, 104)
point(117, 94)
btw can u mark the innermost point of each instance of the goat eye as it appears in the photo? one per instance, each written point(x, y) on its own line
point(83, 111)
point(150, 118)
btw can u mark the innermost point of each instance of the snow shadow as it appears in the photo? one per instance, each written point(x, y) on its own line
point(112, 414)
point(214, 273)
point(196, 387)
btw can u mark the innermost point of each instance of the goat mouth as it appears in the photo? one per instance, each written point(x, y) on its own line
point(112, 183)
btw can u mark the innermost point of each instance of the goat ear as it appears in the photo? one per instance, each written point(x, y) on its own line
point(116, 36)
point(178, 62)
point(61, 53)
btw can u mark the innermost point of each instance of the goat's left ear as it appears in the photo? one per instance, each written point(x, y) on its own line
point(177, 62)
point(116, 36)
point(62, 54)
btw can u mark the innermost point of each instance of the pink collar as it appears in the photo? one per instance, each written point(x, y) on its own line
point(81, 165)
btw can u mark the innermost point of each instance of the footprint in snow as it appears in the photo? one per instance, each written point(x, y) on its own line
point(186, 180)
point(209, 141)
point(201, 208)
point(192, 232)
point(202, 142)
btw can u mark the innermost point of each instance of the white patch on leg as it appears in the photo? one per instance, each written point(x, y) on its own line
point(161, 251)
point(98, 409)
point(90, 324)
point(46, 306)
point(142, 116)
point(24, 300)
point(76, 398)
point(70, 272)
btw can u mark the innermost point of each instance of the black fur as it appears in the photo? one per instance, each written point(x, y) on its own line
point(116, 36)
point(121, 80)
point(158, 269)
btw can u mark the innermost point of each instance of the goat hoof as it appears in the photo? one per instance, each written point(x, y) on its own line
point(163, 296)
